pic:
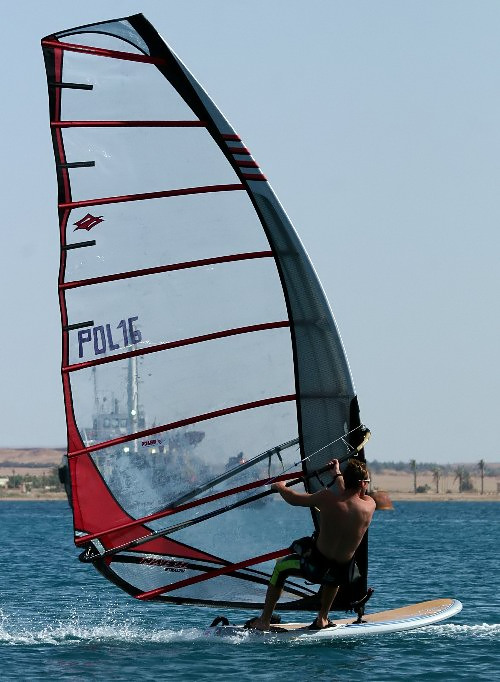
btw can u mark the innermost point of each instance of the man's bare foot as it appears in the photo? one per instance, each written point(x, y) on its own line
point(321, 623)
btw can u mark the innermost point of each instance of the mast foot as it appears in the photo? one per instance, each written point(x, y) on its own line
point(359, 606)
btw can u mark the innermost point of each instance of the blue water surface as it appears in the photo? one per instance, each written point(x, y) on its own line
point(60, 620)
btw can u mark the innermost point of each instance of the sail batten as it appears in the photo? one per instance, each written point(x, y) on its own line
point(128, 124)
point(167, 268)
point(195, 333)
point(73, 86)
point(151, 195)
point(213, 574)
point(176, 344)
point(113, 54)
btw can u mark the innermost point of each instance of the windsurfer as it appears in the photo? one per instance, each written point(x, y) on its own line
point(345, 514)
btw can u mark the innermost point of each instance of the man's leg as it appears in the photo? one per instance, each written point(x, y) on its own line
point(264, 620)
point(289, 565)
point(328, 593)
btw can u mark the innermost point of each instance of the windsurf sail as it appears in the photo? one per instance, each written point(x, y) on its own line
point(200, 359)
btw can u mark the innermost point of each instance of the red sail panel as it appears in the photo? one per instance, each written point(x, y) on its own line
point(96, 510)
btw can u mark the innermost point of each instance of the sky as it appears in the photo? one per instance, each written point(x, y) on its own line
point(378, 127)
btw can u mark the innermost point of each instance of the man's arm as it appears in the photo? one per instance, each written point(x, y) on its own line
point(338, 479)
point(295, 498)
point(310, 499)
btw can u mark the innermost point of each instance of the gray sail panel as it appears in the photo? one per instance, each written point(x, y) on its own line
point(324, 380)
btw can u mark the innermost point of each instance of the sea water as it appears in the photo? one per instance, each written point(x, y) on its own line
point(60, 620)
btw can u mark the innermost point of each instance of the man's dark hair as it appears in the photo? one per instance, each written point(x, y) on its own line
point(354, 473)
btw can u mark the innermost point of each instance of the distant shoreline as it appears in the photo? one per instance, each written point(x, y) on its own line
point(443, 497)
point(395, 497)
point(49, 497)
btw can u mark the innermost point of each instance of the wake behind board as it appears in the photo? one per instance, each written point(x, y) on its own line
point(383, 622)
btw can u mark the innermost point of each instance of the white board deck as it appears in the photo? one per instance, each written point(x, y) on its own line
point(383, 622)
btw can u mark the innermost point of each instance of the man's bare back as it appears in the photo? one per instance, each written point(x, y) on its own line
point(345, 514)
point(344, 519)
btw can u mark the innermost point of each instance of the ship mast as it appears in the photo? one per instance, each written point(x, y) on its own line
point(96, 398)
point(133, 397)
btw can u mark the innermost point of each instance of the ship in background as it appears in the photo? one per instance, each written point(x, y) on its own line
point(168, 458)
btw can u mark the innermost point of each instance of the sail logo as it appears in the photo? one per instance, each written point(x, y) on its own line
point(168, 565)
point(147, 443)
point(88, 222)
point(103, 338)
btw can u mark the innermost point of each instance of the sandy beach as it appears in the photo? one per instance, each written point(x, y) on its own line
point(396, 495)
point(398, 484)
point(40, 496)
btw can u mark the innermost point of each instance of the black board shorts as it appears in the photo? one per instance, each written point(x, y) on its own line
point(315, 568)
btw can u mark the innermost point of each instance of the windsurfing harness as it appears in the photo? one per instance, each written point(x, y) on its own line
point(318, 569)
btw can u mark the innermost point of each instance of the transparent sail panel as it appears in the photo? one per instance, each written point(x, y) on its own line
point(140, 160)
point(150, 310)
point(183, 383)
point(121, 91)
point(151, 473)
point(223, 534)
point(145, 234)
point(153, 573)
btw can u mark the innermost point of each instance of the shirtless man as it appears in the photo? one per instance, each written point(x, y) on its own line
point(345, 514)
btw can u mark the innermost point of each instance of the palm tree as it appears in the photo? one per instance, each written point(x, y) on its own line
point(436, 475)
point(481, 469)
point(413, 467)
point(464, 482)
point(459, 474)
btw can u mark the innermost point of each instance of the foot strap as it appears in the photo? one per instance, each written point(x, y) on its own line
point(220, 620)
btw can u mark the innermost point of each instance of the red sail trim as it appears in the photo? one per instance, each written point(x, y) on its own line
point(252, 176)
point(189, 505)
point(231, 137)
point(152, 195)
point(100, 52)
point(176, 344)
point(213, 574)
point(128, 124)
point(167, 268)
point(239, 150)
point(183, 422)
point(62, 156)
point(247, 164)
point(64, 174)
